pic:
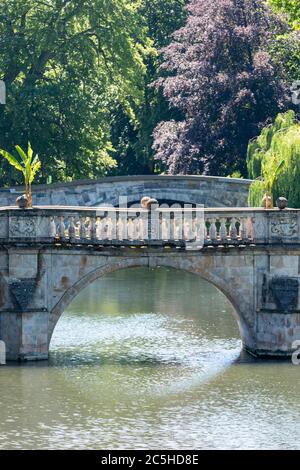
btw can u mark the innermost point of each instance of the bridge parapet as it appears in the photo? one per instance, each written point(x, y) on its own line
point(49, 254)
point(139, 227)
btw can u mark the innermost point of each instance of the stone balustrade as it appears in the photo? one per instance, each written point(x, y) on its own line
point(136, 226)
point(48, 255)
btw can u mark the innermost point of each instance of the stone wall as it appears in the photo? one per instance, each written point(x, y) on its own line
point(42, 271)
point(262, 286)
point(210, 191)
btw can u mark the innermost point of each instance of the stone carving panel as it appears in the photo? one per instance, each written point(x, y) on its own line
point(22, 227)
point(284, 227)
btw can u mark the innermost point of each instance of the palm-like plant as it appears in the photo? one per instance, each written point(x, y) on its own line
point(28, 165)
point(272, 168)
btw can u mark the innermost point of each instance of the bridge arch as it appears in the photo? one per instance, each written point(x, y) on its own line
point(72, 292)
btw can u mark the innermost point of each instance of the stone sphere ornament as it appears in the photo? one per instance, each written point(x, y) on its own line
point(22, 202)
point(144, 202)
point(282, 203)
point(150, 203)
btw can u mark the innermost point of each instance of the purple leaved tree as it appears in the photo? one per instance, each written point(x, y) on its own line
point(219, 75)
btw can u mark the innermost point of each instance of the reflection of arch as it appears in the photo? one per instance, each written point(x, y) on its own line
point(126, 263)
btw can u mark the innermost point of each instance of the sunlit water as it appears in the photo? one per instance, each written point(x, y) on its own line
point(148, 359)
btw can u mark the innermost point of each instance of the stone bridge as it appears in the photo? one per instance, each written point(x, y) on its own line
point(210, 191)
point(49, 254)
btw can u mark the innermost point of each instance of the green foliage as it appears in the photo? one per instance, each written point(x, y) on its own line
point(274, 158)
point(133, 139)
point(256, 193)
point(290, 8)
point(236, 174)
point(78, 77)
point(67, 64)
point(287, 46)
point(26, 164)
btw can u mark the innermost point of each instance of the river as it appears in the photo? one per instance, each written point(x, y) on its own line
point(149, 359)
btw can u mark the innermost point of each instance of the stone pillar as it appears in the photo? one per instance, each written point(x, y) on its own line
point(24, 314)
point(278, 309)
point(25, 335)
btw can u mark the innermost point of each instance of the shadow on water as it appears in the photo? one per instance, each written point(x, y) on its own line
point(149, 359)
point(65, 358)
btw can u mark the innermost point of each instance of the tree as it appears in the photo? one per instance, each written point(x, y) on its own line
point(132, 138)
point(66, 65)
point(219, 74)
point(274, 158)
point(290, 8)
point(287, 48)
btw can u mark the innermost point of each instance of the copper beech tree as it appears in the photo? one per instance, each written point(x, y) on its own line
point(218, 72)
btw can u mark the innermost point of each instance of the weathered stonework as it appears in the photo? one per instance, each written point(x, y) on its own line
point(285, 292)
point(27, 322)
point(258, 273)
point(285, 227)
point(210, 191)
point(21, 292)
point(22, 227)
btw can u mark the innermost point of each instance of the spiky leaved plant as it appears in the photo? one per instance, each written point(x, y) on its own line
point(27, 164)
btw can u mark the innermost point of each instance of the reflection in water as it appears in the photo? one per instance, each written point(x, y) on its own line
point(148, 359)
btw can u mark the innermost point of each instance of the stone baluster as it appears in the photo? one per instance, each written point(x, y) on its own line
point(172, 226)
point(93, 229)
point(187, 229)
point(196, 228)
point(233, 229)
point(120, 229)
point(206, 230)
point(178, 226)
point(140, 229)
point(223, 230)
point(82, 229)
point(105, 224)
point(72, 230)
point(159, 224)
point(200, 228)
point(242, 229)
point(101, 229)
point(109, 229)
point(130, 229)
point(62, 228)
point(249, 225)
point(213, 230)
point(52, 227)
point(136, 224)
point(164, 229)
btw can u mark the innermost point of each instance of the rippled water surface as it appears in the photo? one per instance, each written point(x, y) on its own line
point(149, 359)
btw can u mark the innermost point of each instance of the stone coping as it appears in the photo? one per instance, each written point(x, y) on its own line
point(37, 209)
point(132, 179)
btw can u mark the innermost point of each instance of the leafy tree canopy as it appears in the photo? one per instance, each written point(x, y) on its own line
point(279, 142)
point(66, 64)
point(287, 47)
point(290, 8)
point(132, 140)
point(218, 73)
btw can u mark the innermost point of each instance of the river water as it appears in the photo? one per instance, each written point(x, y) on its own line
point(149, 359)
